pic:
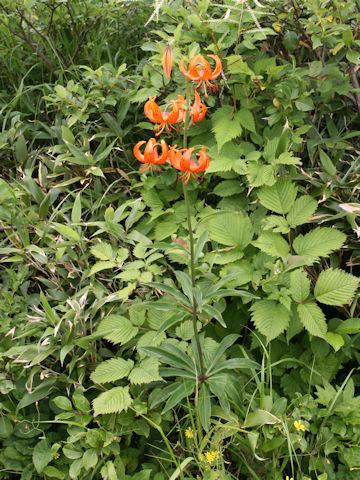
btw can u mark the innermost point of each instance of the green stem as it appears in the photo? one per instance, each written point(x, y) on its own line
point(201, 374)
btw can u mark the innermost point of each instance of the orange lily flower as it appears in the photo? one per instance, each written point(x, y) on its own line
point(150, 155)
point(204, 74)
point(166, 119)
point(197, 110)
point(184, 161)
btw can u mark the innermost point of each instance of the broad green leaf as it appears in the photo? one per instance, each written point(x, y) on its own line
point(327, 163)
point(42, 455)
point(164, 229)
point(246, 119)
point(230, 229)
point(270, 318)
point(68, 137)
point(76, 210)
point(75, 468)
point(225, 126)
point(89, 459)
point(152, 199)
point(183, 390)
point(279, 197)
point(304, 104)
point(21, 151)
point(313, 319)
point(204, 407)
point(113, 401)
point(320, 242)
point(102, 251)
point(63, 402)
point(228, 188)
point(260, 417)
point(6, 427)
point(299, 285)
point(273, 244)
point(259, 174)
point(349, 326)
point(117, 329)
point(66, 231)
point(145, 372)
point(229, 158)
point(335, 287)
point(172, 355)
point(99, 266)
point(335, 340)
point(112, 370)
point(53, 472)
point(302, 209)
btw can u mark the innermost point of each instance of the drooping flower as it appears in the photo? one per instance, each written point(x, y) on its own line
point(164, 119)
point(167, 61)
point(197, 109)
point(200, 71)
point(150, 155)
point(184, 161)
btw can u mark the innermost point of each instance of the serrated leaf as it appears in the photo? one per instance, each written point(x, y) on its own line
point(299, 285)
point(99, 266)
point(164, 229)
point(152, 199)
point(228, 188)
point(246, 119)
point(113, 401)
point(335, 287)
point(320, 242)
point(279, 197)
point(304, 207)
point(273, 244)
point(270, 318)
point(112, 370)
point(119, 330)
point(229, 158)
point(225, 126)
point(230, 229)
point(313, 319)
point(147, 371)
point(102, 251)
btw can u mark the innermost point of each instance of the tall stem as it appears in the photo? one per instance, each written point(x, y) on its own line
point(191, 240)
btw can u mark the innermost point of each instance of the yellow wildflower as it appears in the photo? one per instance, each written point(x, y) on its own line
point(56, 456)
point(210, 456)
point(201, 457)
point(189, 433)
point(299, 426)
point(288, 478)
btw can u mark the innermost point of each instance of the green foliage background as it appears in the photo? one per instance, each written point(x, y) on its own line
point(99, 371)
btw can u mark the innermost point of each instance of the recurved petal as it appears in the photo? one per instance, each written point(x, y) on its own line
point(137, 153)
point(186, 159)
point(184, 71)
point(152, 111)
point(218, 67)
point(203, 161)
point(174, 114)
point(150, 151)
point(164, 153)
point(193, 67)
